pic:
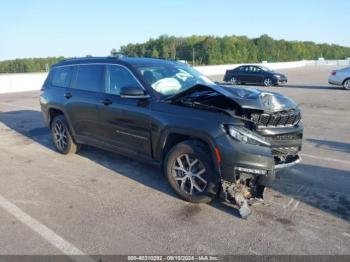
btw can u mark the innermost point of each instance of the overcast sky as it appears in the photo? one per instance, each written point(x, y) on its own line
point(40, 28)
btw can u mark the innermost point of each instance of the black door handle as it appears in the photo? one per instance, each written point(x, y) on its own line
point(67, 95)
point(106, 102)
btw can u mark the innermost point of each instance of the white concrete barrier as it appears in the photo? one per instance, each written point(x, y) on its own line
point(10, 83)
point(33, 81)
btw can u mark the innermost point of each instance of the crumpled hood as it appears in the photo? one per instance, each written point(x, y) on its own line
point(248, 98)
point(258, 99)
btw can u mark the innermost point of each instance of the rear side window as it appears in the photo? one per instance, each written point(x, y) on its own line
point(89, 77)
point(118, 77)
point(62, 76)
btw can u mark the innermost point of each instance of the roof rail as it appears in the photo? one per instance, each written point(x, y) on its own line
point(117, 56)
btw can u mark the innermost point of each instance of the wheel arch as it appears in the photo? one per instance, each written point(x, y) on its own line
point(348, 78)
point(173, 137)
point(54, 111)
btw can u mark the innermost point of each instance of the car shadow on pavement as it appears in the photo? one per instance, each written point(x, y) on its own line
point(142, 173)
point(330, 145)
point(320, 187)
point(29, 124)
point(324, 87)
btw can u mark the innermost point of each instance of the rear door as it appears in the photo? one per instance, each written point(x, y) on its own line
point(83, 99)
point(125, 122)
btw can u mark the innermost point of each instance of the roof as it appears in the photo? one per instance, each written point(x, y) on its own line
point(116, 60)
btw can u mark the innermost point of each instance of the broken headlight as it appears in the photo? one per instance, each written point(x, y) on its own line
point(243, 134)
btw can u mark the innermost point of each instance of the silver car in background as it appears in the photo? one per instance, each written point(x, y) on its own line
point(340, 77)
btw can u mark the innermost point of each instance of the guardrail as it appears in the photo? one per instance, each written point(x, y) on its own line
point(33, 81)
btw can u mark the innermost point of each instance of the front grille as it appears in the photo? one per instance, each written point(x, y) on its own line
point(285, 151)
point(285, 137)
point(289, 118)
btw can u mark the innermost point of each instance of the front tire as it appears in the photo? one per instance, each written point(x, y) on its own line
point(62, 137)
point(267, 82)
point(346, 84)
point(190, 172)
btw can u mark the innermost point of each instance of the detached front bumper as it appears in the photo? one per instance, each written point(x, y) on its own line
point(288, 163)
point(239, 158)
point(242, 159)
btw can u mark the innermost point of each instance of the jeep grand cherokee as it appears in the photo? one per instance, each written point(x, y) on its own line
point(207, 138)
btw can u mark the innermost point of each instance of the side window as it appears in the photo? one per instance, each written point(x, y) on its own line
point(62, 76)
point(257, 69)
point(89, 77)
point(118, 77)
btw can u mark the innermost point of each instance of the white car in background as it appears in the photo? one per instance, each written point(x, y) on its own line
point(340, 77)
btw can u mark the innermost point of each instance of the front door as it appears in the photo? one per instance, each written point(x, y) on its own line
point(125, 122)
point(256, 75)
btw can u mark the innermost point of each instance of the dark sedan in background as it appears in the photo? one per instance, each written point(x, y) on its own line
point(253, 74)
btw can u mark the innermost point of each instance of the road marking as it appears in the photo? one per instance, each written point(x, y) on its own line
point(289, 203)
point(326, 159)
point(346, 234)
point(24, 107)
point(325, 115)
point(295, 206)
point(254, 252)
point(50, 236)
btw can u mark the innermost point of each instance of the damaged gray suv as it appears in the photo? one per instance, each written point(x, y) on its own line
point(208, 139)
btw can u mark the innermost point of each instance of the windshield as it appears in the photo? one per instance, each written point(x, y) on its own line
point(171, 79)
point(266, 69)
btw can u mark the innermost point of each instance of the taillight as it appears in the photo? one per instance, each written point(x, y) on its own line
point(334, 73)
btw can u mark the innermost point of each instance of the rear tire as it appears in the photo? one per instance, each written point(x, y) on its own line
point(62, 137)
point(190, 172)
point(346, 84)
point(234, 81)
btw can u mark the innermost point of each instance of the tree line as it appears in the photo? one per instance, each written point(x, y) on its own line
point(27, 65)
point(204, 50)
point(209, 50)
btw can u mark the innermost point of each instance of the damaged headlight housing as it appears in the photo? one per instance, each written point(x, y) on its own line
point(243, 134)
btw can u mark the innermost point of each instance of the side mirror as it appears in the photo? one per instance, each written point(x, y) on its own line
point(133, 92)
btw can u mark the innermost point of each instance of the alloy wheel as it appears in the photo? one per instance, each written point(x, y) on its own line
point(233, 81)
point(190, 174)
point(267, 82)
point(60, 136)
point(347, 84)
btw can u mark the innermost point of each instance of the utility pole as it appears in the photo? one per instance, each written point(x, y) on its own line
point(193, 56)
